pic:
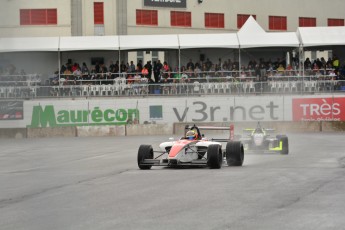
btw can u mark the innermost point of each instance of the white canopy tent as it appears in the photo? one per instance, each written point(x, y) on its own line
point(28, 44)
point(190, 41)
point(321, 36)
point(145, 42)
point(76, 43)
point(251, 35)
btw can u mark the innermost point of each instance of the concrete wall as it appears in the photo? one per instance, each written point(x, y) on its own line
point(100, 131)
point(51, 132)
point(167, 129)
point(149, 129)
point(13, 133)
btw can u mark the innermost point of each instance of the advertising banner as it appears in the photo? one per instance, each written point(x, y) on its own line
point(11, 110)
point(319, 109)
point(166, 3)
point(115, 111)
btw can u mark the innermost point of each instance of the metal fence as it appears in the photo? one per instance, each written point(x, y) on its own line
point(121, 86)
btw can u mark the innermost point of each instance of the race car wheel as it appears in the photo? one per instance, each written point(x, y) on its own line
point(144, 152)
point(285, 145)
point(234, 153)
point(214, 156)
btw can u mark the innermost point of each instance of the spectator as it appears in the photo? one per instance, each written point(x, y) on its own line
point(208, 64)
point(165, 67)
point(77, 74)
point(112, 70)
point(123, 67)
point(145, 72)
point(131, 67)
point(148, 66)
point(97, 67)
point(84, 68)
point(307, 64)
point(157, 67)
point(67, 75)
point(63, 69)
point(75, 67)
point(329, 63)
point(189, 72)
point(139, 66)
point(335, 62)
point(117, 68)
point(197, 72)
point(190, 64)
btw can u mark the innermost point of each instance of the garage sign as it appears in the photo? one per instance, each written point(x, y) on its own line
point(166, 3)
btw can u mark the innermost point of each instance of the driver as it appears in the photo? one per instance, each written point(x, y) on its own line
point(258, 130)
point(192, 135)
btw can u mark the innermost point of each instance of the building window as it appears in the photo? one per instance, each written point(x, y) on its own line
point(140, 56)
point(242, 18)
point(38, 17)
point(181, 18)
point(147, 17)
point(213, 20)
point(98, 12)
point(307, 22)
point(277, 23)
point(154, 56)
point(335, 22)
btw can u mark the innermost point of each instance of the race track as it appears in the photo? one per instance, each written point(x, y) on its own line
point(94, 183)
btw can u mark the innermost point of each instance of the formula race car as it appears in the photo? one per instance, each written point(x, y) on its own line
point(193, 149)
point(263, 140)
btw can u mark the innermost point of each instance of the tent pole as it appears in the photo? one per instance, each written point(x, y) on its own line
point(119, 57)
point(59, 61)
point(179, 55)
point(301, 64)
point(239, 60)
point(179, 60)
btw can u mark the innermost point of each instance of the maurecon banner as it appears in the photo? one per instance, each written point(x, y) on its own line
point(166, 3)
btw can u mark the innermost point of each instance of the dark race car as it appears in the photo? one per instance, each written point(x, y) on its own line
point(264, 140)
point(193, 151)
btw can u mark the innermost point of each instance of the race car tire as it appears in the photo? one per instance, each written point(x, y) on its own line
point(144, 152)
point(285, 145)
point(214, 156)
point(234, 153)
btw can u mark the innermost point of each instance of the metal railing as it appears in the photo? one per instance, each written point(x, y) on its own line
point(123, 86)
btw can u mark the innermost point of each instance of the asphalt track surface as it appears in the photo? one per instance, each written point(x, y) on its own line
point(94, 183)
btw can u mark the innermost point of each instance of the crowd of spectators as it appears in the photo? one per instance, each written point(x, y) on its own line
point(161, 74)
point(158, 72)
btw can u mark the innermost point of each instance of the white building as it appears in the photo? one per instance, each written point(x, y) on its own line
point(41, 18)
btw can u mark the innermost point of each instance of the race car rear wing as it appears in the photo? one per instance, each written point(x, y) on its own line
point(198, 128)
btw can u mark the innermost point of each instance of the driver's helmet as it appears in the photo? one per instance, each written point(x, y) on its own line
point(192, 135)
point(258, 130)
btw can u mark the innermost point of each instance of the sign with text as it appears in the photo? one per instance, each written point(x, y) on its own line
point(319, 109)
point(11, 110)
point(166, 3)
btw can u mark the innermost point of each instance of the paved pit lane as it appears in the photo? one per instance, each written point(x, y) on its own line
point(94, 183)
